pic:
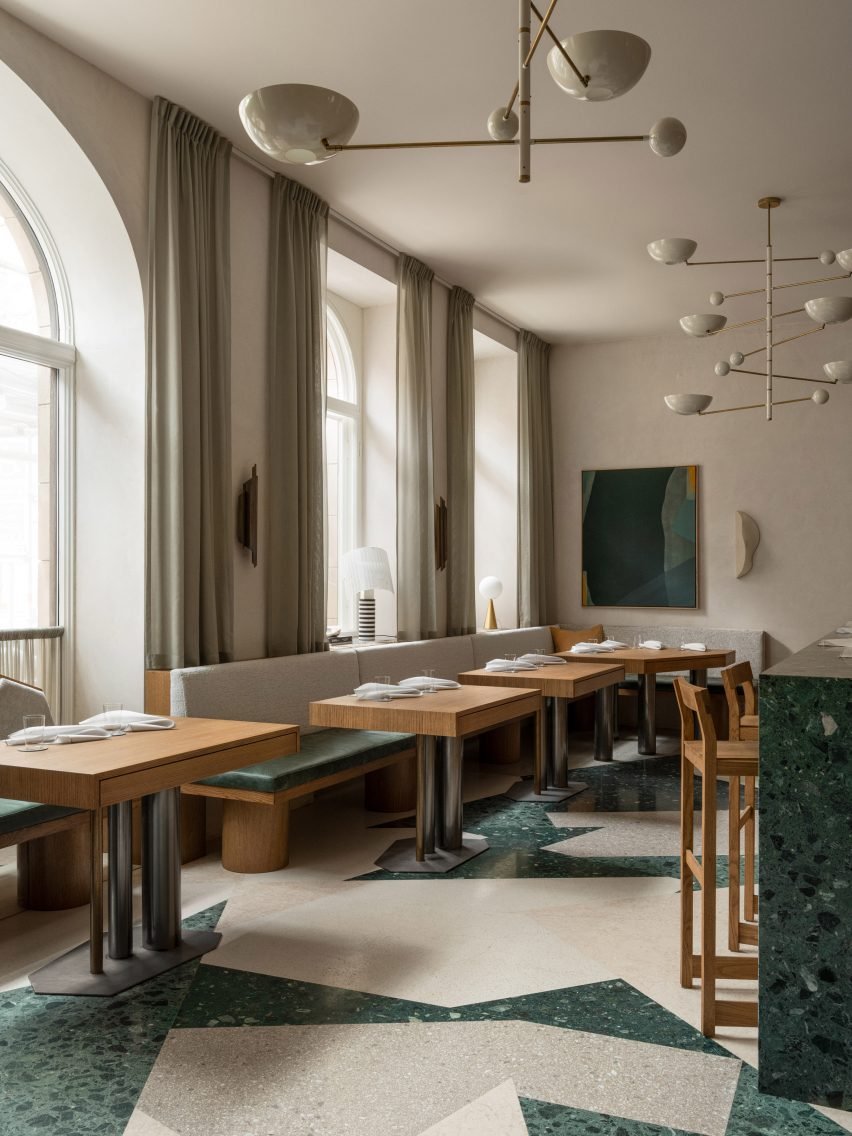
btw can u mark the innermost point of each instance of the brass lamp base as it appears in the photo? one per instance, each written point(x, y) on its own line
point(490, 617)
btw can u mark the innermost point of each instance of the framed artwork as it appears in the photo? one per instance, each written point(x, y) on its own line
point(640, 537)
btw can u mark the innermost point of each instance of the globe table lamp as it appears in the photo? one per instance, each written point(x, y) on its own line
point(490, 588)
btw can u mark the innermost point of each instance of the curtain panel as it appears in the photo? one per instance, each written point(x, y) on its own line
point(189, 529)
point(416, 602)
point(295, 560)
point(536, 555)
point(461, 583)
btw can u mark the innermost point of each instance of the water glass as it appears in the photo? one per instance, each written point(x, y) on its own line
point(34, 740)
point(540, 651)
point(512, 658)
point(113, 720)
point(429, 674)
point(637, 641)
point(383, 680)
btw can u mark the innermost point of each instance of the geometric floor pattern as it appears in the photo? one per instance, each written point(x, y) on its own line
point(532, 990)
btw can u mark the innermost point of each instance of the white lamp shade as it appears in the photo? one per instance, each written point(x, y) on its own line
point(688, 403)
point(490, 587)
point(614, 62)
point(840, 371)
point(844, 259)
point(701, 325)
point(367, 568)
point(830, 309)
point(288, 121)
point(672, 250)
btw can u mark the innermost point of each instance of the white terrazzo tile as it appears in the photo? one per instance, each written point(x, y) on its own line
point(446, 942)
point(140, 1124)
point(497, 1113)
point(838, 1115)
point(629, 834)
point(395, 1078)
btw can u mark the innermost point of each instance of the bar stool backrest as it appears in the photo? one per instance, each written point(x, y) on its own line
point(738, 676)
point(693, 702)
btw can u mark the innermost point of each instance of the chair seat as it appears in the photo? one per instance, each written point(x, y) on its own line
point(733, 759)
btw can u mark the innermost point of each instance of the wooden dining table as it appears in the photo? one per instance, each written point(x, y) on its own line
point(647, 664)
point(446, 717)
point(108, 775)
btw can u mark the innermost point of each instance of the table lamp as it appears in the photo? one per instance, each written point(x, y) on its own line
point(490, 588)
point(366, 569)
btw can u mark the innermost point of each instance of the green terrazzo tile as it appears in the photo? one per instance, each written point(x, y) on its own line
point(75, 1066)
point(545, 1119)
point(758, 1114)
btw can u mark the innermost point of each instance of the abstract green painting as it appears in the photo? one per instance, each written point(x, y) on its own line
point(640, 537)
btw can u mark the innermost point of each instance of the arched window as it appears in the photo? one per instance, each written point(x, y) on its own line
point(32, 360)
point(342, 441)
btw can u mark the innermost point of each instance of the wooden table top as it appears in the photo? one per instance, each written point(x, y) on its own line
point(571, 680)
point(89, 775)
point(445, 713)
point(637, 660)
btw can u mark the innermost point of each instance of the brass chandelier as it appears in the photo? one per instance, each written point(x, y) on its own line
point(304, 125)
point(823, 310)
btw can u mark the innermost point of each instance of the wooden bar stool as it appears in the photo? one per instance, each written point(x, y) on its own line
point(743, 723)
point(711, 759)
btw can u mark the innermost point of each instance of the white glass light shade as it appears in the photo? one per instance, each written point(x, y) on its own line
point(366, 568)
point(490, 587)
point(844, 259)
point(722, 368)
point(840, 371)
point(672, 250)
point(288, 121)
point(820, 397)
point(701, 325)
point(614, 62)
point(688, 403)
point(502, 127)
point(667, 137)
point(830, 309)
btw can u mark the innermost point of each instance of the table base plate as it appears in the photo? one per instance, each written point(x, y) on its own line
point(400, 856)
point(69, 974)
point(525, 791)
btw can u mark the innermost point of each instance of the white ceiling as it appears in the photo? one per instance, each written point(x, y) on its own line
point(761, 86)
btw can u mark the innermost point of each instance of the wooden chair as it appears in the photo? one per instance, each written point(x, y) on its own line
point(743, 723)
point(711, 759)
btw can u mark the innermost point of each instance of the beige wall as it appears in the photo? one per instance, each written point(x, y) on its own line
point(793, 475)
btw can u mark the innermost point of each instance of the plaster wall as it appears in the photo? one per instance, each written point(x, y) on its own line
point(793, 475)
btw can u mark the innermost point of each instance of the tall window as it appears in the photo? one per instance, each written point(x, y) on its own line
point(27, 427)
point(342, 440)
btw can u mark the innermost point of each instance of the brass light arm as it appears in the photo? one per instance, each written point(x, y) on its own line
point(801, 335)
point(816, 280)
point(757, 260)
point(542, 28)
point(511, 102)
point(750, 323)
point(584, 79)
point(481, 142)
point(753, 406)
point(797, 378)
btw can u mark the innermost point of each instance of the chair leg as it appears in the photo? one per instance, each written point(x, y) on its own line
point(734, 864)
point(749, 900)
point(687, 819)
point(708, 906)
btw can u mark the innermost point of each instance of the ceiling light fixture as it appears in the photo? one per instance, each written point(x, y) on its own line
point(823, 310)
point(305, 125)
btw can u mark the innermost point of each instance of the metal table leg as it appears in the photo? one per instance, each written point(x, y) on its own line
point(604, 722)
point(161, 870)
point(425, 809)
point(120, 937)
point(558, 754)
point(96, 892)
point(450, 836)
point(647, 713)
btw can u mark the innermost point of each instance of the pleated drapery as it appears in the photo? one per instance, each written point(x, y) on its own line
point(461, 581)
point(536, 566)
point(190, 530)
point(416, 604)
point(295, 560)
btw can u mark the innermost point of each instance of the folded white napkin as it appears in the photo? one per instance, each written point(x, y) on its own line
point(846, 653)
point(844, 630)
point(540, 660)
point(508, 665)
point(380, 692)
point(834, 642)
point(613, 645)
point(420, 682)
point(133, 720)
point(692, 647)
point(651, 645)
point(59, 734)
point(589, 648)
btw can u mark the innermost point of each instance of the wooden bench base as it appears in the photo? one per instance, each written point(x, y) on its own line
point(53, 863)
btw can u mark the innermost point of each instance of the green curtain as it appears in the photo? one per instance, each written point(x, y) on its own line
point(189, 518)
point(295, 559)
point(461, 583)
point(536, 556)
point(416, 606)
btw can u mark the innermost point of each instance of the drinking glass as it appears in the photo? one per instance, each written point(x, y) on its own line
point(113, 720)
point(383, 680)
point(34, 741)
point(540, 651)
point(512, 658)
point(429, 673)
point(637, 641)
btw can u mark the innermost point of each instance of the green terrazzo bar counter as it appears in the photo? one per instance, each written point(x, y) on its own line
point(805, 1035)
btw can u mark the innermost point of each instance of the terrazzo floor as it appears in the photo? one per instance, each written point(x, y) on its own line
point(532, 990)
